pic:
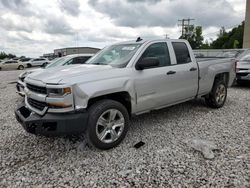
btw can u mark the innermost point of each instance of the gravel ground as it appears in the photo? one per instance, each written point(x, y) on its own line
point(166, 159)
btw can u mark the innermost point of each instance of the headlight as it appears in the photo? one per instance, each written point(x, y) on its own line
point(58, 92)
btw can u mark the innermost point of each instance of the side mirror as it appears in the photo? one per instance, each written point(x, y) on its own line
point(147, 62)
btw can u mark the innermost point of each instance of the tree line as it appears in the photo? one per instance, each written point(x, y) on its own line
point(224, 40)
point(3, 55)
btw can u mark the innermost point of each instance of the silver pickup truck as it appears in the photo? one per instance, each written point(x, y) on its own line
point(124, 79)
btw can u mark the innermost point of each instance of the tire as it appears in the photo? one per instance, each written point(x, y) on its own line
point(44, 64)
point(29, 65)
point(217, 97)
point(107, 134)
point(20, 67)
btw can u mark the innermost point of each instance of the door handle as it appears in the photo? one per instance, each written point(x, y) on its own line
point(193, 69)
point(171, 72)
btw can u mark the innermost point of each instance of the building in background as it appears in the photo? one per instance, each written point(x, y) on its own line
point(75, 50)
point(72, 50)
point(49, 55)
point(246, 40)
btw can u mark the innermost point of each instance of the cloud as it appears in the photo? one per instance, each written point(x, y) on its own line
point(166, 13)
point(31, 27)
point(57, 25)
point(72, 7)
point(11, 24)
point(21, 7)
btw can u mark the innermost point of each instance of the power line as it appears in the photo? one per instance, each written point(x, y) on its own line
point(185, 25)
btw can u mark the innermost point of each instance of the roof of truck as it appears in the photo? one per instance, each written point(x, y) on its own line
point(141, 41)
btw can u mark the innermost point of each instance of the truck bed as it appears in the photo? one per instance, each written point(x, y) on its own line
point(208, 69)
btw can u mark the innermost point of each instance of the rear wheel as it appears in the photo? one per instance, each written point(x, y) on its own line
point(107, 124)
point(20, 67)
point(29, 65)
point(217, 97)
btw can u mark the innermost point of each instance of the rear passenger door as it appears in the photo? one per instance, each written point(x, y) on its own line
point(186, 72)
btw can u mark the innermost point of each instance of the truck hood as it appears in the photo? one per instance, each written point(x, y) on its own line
point(66, 74)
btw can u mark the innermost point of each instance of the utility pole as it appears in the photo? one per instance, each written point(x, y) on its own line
point(185, 23)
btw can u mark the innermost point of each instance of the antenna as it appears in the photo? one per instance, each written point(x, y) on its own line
point(138, 39)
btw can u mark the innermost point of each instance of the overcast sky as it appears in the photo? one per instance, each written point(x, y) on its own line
point(35, 27)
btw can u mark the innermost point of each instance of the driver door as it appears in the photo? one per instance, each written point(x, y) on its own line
point(153, 84)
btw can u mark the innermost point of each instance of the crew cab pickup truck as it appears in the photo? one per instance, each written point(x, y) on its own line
point(129, 78)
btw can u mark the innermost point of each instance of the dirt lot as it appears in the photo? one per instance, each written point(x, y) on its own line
point(166, 159)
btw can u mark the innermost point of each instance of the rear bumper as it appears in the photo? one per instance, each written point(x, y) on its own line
point(51, 124)
point(245, 77)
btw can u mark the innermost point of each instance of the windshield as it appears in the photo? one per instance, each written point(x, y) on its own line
point(115, 55)
point(58, 62)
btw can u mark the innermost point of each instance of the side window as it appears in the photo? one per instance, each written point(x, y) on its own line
point(69, 62)
point(83, 59)
point(160, 51)
point(75, 60)
point(181, 52)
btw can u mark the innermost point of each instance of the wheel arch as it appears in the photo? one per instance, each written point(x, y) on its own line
point(123, 97)
point(222, 76)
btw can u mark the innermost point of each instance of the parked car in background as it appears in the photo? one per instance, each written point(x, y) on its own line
point(230, 54)
point(12, 64)
point(62, 61)
point(125, 79)
point(25, 59)
point(37, 62)
point(243, 68)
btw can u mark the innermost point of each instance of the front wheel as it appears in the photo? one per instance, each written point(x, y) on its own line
point(107, 124)
point(217, 97)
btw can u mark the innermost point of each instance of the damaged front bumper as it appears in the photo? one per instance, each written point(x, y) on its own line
point(51, 124)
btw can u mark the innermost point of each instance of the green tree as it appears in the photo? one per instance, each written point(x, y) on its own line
point(194, 36)
point(3, 55)
point(231, 39)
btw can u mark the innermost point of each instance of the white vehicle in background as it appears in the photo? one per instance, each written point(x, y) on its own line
point(243, 68)
point(12, 64)
point(37, 62)
point(62, 61)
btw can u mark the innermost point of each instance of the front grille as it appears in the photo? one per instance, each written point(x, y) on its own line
point(242, 74)
point(36, 89)
point(37, 104)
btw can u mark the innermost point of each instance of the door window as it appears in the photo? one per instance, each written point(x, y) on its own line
point(160, 51)
point(181, 52)
point(83, 59)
